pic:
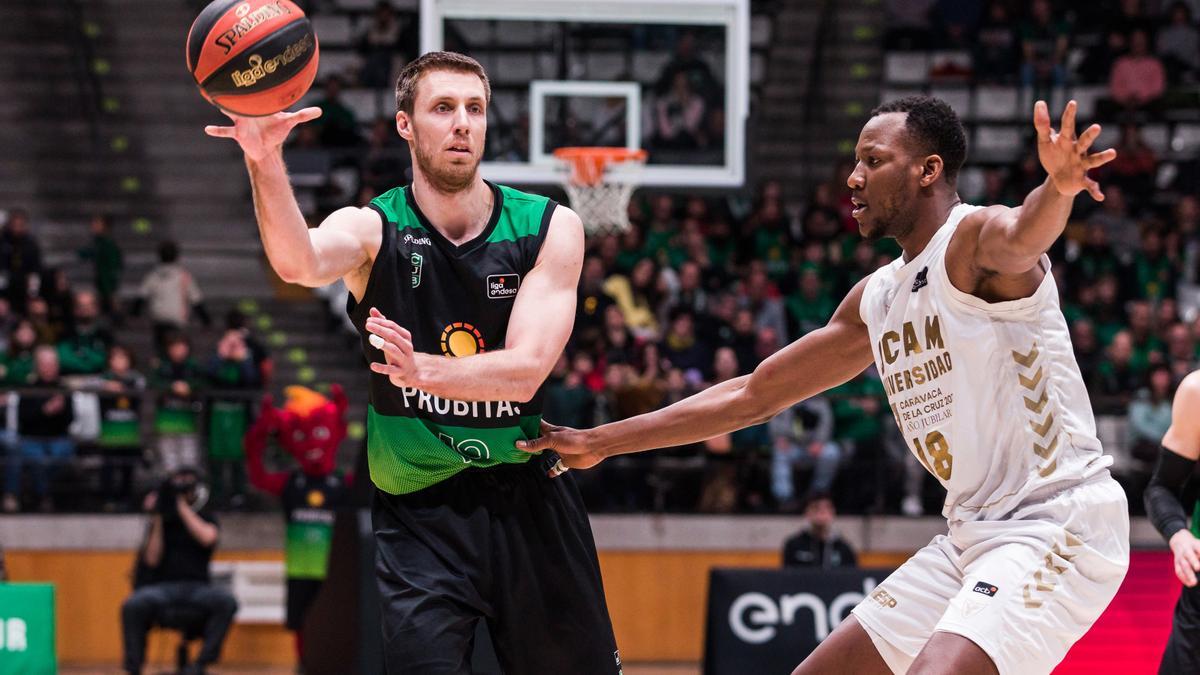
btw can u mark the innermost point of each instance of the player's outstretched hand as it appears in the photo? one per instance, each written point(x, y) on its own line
point(1187, 556)
point(570, 444)
point(1064, 156)
point(396, 344)
point(260, 136)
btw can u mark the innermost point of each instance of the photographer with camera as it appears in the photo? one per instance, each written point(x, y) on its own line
point(172, 570)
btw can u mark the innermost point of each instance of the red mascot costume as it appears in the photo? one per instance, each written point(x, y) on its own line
point(310, 427)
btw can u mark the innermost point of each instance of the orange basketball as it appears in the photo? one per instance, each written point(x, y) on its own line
point(252, 57)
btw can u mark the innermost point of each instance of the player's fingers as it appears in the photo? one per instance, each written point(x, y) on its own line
point(388, 331)
point(405, 348)
point(391, 331)
point(220, 132)
point(1093, 189)
point(1184, 571)
point(1068, 120)
point(535, 444)
point(1088, 137)
point(1099, 158)
point(376, 313)
point(304, 115)
point(558, 469)
point(1192, 561)
point(1041, 121)
point(548, 428)
point(390, 325)
point(387, 369)
point(393, 353)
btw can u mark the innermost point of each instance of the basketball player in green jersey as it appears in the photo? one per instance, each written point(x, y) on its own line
point(464, 294)
point(1176, 463)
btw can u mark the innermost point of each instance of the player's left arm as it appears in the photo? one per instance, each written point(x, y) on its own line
point(542, 317)
point(1176, 462)
point(1010, 241)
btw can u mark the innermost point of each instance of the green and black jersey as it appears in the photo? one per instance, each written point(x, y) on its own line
point(456, 301)
point(310, 505)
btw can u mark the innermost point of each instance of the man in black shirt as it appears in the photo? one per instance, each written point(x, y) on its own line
point(819, 545)
point(173, 570)
point(44, 415)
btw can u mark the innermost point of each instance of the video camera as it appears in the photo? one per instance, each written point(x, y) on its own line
point(184, 482)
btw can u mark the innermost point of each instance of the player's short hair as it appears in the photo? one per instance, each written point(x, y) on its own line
point(406, 84)
point(934, 127)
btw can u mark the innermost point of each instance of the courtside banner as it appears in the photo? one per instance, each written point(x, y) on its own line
point(27, 629)
point(767, 620)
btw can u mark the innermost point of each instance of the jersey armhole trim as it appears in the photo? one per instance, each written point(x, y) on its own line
point(862, 300)
point(543, 230)
point(1009, 307)
point(354, 308)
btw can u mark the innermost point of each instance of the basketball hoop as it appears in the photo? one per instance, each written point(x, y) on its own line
point(599, 183)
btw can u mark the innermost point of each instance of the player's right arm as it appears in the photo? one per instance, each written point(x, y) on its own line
point(818, 361)
point(1176, 460)
point(345, 243)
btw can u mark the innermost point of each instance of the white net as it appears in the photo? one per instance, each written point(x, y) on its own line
point(603, 201)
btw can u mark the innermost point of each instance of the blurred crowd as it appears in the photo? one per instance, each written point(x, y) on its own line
point(84, 416)
point(682, 116)
point(1140, 48)
point(699, 290)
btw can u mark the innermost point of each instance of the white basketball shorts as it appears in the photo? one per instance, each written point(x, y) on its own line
point(1024, 589)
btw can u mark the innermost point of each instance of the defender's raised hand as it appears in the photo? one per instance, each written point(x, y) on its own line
point(1064, 156)
point(260, 136)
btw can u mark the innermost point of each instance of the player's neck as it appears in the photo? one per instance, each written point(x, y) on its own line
point(932, 213)
point(458, 216)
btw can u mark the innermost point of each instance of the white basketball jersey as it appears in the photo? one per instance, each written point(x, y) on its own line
point(987, 395)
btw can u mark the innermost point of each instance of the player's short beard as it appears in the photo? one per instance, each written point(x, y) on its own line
point(897, 222)
point(450, 179)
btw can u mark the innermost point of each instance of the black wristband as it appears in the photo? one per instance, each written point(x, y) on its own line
point(1171, 472)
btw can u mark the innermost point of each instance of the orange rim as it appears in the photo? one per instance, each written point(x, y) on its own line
point(588, 164)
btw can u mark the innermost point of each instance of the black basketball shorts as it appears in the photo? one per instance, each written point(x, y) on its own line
point(507, 545)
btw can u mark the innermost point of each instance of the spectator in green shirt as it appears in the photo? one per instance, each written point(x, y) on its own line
point(84, 350)
point(1107, 312)
point(231, 374)
point(1117, 377)
point(1148, 349)
point(1155, 272)
point(811, 306)
point(859, 411)
point(107, 262)
point(337, 124)
point(175, 421)
point(120, 427)
point(568, 400)
point(18, 359)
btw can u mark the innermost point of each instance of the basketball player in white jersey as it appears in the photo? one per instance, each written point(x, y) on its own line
point(974, 353)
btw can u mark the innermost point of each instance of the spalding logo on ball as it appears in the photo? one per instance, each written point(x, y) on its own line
point(252, 57)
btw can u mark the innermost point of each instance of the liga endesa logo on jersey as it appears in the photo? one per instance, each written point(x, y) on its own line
point(461, 339)
point(501, 286)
